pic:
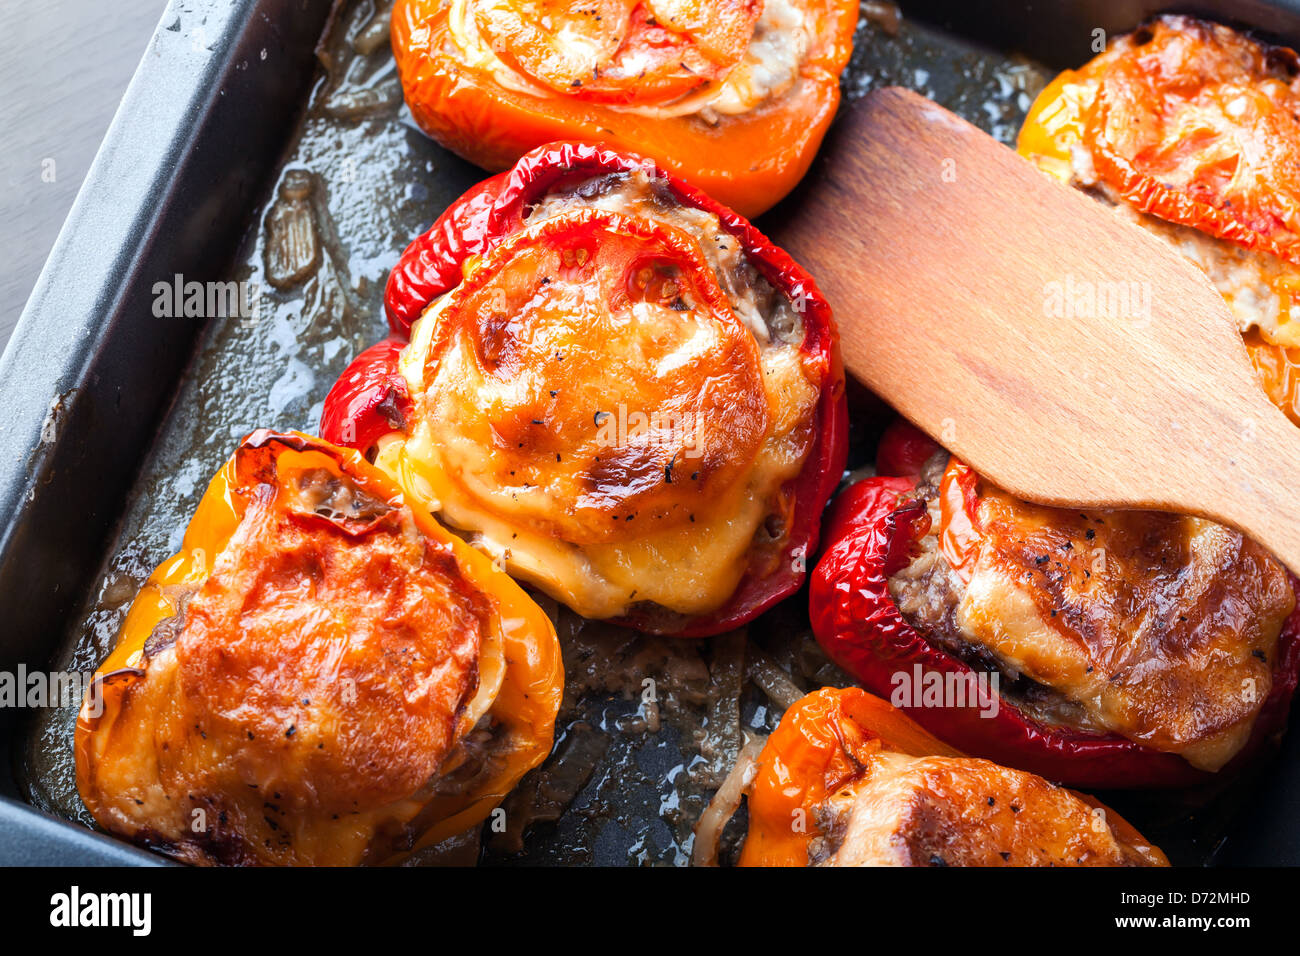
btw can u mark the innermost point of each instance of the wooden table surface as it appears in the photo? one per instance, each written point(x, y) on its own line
point(64, 65)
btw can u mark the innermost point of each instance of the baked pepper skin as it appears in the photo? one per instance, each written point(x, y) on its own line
point(823, 742)
point(749, 161)
point(370, 399)
point(369, 747)
point(869, 539)
point(360, 407)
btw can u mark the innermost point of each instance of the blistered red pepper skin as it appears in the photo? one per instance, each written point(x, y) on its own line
point(860, 627)
point(903, 449)
point(489, 212)
point(864, 503)
point(369, 399)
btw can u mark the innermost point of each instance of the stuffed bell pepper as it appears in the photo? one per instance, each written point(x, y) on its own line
point(847, 780)
point(1100, 649)
point(322, 675)
point(614, 386)
point(732, 95)
point(1192, 130)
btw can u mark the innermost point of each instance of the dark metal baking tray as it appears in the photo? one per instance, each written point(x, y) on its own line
point(115, 417)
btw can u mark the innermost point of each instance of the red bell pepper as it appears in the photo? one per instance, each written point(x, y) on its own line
point(370, 399)
point(367, 401)
point(870, 537)
point(903, 449)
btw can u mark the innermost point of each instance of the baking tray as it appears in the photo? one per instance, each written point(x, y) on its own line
point(115, 417)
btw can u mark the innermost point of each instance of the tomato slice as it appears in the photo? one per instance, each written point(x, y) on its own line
point(370, 400)
point(1199, 125)
point(620, 51)
point(589, 373)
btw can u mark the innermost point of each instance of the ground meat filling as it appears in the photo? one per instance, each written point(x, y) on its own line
point(928, 593)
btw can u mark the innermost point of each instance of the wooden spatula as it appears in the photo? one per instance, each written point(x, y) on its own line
point(959, 276)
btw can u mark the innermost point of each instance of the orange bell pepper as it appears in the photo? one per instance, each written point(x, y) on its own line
point(1196, 124)
point(292, 686)
point(492, 79)
point(825, 746)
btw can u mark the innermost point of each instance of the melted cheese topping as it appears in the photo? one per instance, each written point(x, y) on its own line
point(614, 521)
point(770, 66)
point(1163, 627)
point(1157, 627)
